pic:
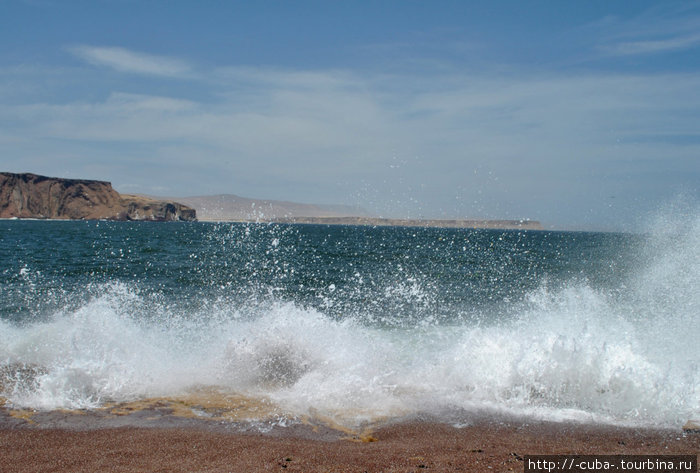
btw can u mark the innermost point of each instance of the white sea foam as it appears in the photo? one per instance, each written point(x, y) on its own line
point(574, 352)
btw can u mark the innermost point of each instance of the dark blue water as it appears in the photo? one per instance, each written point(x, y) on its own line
point(389, 275)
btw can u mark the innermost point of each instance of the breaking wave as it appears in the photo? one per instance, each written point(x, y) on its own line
point(627, 354)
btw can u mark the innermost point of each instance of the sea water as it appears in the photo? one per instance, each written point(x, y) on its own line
point(354, 324)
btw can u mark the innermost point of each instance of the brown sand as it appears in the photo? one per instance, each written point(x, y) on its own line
point(415, 446)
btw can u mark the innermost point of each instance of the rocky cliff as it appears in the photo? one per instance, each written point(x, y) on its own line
point(31, 196)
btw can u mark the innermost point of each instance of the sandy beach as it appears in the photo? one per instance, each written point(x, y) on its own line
point(184, 445)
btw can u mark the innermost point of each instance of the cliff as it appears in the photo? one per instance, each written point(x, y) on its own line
point(32, 196)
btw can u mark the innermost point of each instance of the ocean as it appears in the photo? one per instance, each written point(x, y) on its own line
point(352, 324)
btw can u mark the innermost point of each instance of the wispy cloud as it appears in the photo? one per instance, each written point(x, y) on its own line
point(655, 46)
point(124, 60)
point(664, 28)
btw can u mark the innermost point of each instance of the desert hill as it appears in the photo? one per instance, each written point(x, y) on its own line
point(233, 208)
point(230, 207)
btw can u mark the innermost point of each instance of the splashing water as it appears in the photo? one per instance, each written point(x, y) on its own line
point(357, 324)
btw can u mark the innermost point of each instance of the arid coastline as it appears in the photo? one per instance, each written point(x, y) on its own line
point(431, 223)
point(234, 208)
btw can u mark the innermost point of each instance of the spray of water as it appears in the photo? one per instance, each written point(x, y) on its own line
point(571, 352)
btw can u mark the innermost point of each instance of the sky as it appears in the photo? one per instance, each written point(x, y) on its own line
point(579, 114)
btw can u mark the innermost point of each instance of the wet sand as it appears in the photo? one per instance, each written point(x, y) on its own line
point(85, 444)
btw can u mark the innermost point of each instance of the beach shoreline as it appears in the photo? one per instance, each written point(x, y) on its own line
point(177, 444)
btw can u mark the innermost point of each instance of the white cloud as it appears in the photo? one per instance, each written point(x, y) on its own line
point(290, 79)
point(124, 60)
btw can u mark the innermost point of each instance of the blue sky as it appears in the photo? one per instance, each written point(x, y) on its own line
point(581, 114)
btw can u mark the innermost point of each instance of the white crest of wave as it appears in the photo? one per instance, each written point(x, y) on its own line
point(92, 355)
point(574, 352)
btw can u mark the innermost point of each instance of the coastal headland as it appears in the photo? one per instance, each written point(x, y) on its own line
point(32, 196)
point(29, 195)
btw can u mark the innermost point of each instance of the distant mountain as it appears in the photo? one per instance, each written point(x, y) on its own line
point(229, 207)
point(29, 195)
point(233, 208)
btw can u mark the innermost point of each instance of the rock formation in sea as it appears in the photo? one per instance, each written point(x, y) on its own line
point(28, 195)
